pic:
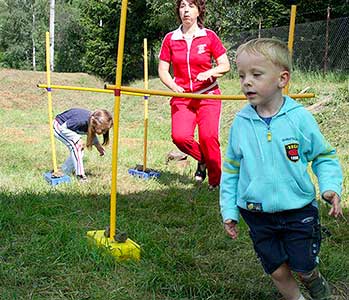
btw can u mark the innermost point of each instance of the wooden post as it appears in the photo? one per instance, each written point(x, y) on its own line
point(326, 39)
point(259, 27)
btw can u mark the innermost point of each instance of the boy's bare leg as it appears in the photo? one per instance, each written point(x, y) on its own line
point(285, 283)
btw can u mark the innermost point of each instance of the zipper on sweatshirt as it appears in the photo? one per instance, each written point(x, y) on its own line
point(269, 135)
point(274, 178)
point(189, 42)
point(274, 196)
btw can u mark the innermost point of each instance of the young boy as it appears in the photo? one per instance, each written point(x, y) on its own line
point(265, 178)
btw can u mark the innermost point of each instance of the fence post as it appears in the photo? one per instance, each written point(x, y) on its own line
point(259, 27)
point(326, 39)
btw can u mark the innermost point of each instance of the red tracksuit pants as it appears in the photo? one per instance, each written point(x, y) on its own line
point(205, 114)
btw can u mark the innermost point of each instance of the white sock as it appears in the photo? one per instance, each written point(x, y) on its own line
point(301, 297)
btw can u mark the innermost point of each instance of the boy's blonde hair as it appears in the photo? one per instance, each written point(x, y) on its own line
point(101, 118)
point(274, 50)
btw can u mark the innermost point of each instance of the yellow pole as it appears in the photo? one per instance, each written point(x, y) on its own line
point(145, 105)
point(291, 38)
point(173, 94)
point(191, 95)
point(85, 89)
point(49, 97)
point(127, 90)
point(117, 93)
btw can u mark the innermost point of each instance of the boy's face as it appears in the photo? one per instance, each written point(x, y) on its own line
point(261, 81)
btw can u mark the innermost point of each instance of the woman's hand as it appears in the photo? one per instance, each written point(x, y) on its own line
point(176, 88)
point(204, 75)
point(166, 78)
point(223, 66)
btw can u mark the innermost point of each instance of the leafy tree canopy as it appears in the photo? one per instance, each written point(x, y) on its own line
point(86, 31)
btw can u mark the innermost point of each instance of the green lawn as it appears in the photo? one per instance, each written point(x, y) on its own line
point(185, 254)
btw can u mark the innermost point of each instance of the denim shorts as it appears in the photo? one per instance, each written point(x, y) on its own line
point(292, 237)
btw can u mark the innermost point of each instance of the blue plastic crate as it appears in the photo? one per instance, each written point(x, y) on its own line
point(56, 180)
point(144, 174)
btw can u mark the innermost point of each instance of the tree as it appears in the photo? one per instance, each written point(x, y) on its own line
point(52, 34)
point(69, 37)
point(101, 21)
point(19, 40)
point(86, 31)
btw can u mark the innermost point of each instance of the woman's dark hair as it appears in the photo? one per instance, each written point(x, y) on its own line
point(200, 4)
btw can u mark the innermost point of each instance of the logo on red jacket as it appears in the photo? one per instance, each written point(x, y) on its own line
point(201, 48)
point(292, 152)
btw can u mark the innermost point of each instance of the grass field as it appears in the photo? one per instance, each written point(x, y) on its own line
point(44, 253)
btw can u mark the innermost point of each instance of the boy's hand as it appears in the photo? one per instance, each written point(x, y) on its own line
point(230, 227)
point(333, 198)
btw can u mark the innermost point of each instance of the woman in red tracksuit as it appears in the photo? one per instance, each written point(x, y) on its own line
point(190, 50)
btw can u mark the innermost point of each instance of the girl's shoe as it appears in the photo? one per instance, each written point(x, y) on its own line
point(59, 173)
point(81, 178)
point(200, 173)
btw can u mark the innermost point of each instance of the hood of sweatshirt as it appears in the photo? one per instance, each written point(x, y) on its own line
point(289, 104)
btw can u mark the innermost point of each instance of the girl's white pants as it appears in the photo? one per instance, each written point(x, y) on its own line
point(70, 139)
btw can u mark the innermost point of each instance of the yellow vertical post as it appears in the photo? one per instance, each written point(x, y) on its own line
point(118, 245)
point(145, 105)
point(117, 94)
point(291, 37)
point(49, 97)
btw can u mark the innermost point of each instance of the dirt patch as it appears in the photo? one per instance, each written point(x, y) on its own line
point(18, 88)
point(13, 132)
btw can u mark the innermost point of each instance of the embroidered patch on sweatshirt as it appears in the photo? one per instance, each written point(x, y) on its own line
point(292, 152)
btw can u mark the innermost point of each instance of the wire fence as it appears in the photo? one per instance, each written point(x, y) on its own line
point(318, 46)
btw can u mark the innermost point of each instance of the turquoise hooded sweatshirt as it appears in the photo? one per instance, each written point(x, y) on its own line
point(266, 166)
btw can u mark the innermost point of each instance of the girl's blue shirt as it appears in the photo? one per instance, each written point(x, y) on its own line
point(76, 119)
point(266, 166)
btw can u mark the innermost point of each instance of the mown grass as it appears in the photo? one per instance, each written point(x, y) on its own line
point(44, 253)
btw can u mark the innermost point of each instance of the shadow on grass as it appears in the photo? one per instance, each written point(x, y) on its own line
point(44, 253)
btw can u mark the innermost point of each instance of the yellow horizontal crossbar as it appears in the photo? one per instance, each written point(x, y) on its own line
point(192, 95)
point(109, 89)
point(86, 89)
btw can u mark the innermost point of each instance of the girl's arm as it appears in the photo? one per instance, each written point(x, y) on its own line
point(100, 149)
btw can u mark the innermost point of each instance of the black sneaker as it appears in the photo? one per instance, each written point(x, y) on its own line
point(200, 173)
point(81, 178)
point(59, 173)
point(319, 288)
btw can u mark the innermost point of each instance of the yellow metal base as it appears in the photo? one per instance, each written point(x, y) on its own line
point(121, 251)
